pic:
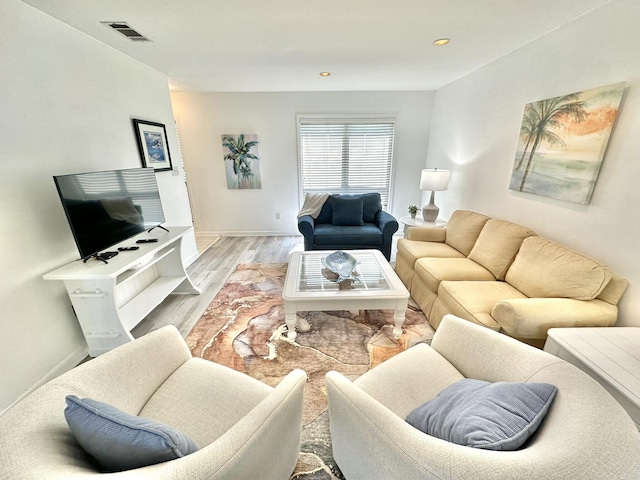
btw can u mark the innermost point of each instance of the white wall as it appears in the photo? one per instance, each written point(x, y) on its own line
point(476, 122)
point(204, 117)
point(66, 103)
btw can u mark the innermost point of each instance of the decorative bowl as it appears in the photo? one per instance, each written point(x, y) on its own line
point(342, 264)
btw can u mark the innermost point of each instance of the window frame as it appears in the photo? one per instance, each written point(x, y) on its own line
point(355, 119)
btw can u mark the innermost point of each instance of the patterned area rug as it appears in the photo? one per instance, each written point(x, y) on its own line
point(243, 328)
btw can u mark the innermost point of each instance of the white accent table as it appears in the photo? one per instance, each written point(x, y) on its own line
point(111, 298)
point(307, 289)
point(611, 355)
point(409, 221)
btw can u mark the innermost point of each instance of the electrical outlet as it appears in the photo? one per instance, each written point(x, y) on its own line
point(277, 215)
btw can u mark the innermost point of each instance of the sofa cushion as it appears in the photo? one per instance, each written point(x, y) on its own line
point(326, 212)
point(333, 235)
point(347, 211)
point(490, 416)
point(497, 246)
point(545, 269)
point(120, 441)
point(412, 250)
point(371, 205)
point(434, 270)
point(474, 300)
point(463, 230)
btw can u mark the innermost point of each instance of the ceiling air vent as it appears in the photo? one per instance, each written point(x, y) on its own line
point(126, 30)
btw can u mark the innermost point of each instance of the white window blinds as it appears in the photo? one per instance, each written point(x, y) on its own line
point(339, 156)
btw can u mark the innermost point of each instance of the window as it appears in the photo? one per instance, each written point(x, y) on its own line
point(346, 155)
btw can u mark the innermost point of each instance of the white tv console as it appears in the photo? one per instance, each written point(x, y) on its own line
point(111, 298)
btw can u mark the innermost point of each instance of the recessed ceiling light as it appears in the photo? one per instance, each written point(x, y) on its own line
point(441, 41)
point(325, 74)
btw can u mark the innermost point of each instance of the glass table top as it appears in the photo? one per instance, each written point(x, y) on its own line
point(313, 276)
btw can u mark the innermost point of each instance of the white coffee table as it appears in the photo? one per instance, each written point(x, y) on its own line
point(307, 289)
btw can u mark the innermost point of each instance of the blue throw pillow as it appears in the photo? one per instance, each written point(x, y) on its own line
point(347, 211)
point(371, 205)
point(120, 441)
point(492, 416)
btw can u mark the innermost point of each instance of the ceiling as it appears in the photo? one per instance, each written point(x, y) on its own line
point(283, 45)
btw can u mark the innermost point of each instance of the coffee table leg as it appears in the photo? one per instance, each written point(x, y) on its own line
point(398, 318)
point(290, 319)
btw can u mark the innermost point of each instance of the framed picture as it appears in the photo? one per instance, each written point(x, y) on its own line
point(241, 160)
point(563, 141)
point(153, 145)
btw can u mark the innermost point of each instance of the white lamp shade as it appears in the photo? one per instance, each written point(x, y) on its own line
point(434, 179)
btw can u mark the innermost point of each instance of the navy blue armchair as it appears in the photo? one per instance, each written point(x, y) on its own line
point(349, 222)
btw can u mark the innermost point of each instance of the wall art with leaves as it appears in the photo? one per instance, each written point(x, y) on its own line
point(241, 161)
point(563, 141)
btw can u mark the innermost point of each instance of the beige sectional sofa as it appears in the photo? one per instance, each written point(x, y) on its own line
point(503, 276)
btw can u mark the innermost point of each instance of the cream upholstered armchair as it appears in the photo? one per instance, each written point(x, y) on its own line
point(244, 428)
point(586, 435)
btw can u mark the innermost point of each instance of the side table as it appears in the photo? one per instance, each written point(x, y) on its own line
point(611, 355)
point(409, 221)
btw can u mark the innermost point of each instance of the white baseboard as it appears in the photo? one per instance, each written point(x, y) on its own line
point(262, 233)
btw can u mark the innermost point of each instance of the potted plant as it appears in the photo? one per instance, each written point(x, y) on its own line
point(412, 210)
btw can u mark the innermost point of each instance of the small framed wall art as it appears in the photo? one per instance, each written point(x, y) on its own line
point(153, 145)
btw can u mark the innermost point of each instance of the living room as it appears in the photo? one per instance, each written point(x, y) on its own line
point(80, 95)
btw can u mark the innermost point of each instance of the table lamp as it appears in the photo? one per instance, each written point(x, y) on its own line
point(433, 179)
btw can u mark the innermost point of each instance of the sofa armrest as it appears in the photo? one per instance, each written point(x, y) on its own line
point(530, 318)
point(427, 234)
point(400, 450)
point(387, 224)
point(306, 226)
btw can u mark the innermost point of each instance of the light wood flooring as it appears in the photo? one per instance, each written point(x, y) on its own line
point(209, 273)
point(211, 270)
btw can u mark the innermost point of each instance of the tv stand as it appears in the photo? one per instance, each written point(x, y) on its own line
point(110, 299)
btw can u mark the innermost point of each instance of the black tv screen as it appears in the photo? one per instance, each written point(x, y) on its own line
point(105, 208)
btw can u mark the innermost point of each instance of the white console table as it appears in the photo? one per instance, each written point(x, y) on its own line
point(111, 298)
point(611, 355)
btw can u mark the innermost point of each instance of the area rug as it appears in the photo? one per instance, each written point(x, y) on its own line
point(244, 328)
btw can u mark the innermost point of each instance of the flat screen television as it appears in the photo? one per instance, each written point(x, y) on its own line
point(105, 208)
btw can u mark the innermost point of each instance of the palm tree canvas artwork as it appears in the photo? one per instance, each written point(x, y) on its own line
point(241, 161)
point(562, 143)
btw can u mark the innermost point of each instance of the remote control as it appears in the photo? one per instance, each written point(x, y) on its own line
point(148, 240)
point(125, 249)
